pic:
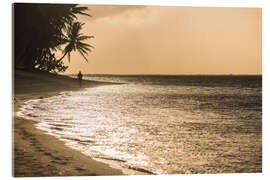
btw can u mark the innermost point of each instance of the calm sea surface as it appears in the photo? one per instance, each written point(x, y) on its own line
point(161, 124)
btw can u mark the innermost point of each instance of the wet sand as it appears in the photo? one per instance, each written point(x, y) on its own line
point(36, 153)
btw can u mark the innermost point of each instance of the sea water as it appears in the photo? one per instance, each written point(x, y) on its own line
point(161, 124)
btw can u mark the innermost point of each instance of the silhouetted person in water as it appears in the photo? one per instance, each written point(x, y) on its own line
point(80, 78)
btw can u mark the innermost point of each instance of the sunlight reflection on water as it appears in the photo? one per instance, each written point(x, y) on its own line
point(164, 129)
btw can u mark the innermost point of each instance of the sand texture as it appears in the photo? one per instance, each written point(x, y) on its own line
point(36, 153)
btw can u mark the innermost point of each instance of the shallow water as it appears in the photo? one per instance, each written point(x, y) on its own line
point(161, 124)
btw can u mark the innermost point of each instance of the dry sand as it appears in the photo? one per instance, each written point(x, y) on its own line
point(37, 153)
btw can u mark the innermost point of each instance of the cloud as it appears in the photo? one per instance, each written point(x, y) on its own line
point(172, 40)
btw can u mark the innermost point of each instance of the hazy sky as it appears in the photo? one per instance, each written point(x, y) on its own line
point(171, 40)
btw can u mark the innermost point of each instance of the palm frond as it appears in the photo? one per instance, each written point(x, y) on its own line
point(68, 54)
point(84, 50)
point(81, 38)
point(83, 55)
point(81, 44)
point(80, 10)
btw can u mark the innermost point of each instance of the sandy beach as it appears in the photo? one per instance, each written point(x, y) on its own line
point(36, 153)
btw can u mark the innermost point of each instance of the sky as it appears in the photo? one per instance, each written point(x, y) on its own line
point(171, 40)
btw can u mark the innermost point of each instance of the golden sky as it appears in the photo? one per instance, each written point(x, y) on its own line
point(171, 40)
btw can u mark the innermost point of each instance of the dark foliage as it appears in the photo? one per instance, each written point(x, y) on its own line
point(40, 29)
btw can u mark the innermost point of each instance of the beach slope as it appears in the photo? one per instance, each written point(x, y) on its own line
point(36, 153)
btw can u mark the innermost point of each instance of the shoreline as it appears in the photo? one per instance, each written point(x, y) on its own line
point(36, 153)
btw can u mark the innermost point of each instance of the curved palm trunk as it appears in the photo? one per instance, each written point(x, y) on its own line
point(62, 57)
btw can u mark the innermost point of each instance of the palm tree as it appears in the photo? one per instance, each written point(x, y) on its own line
point(73, 39)
point(49, 26)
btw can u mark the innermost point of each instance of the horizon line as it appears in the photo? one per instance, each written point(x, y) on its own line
point(169, 74)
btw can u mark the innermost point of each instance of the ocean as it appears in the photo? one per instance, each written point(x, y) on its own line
point(161, 124)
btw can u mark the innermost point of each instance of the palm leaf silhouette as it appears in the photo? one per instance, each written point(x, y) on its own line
point(73, 39)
